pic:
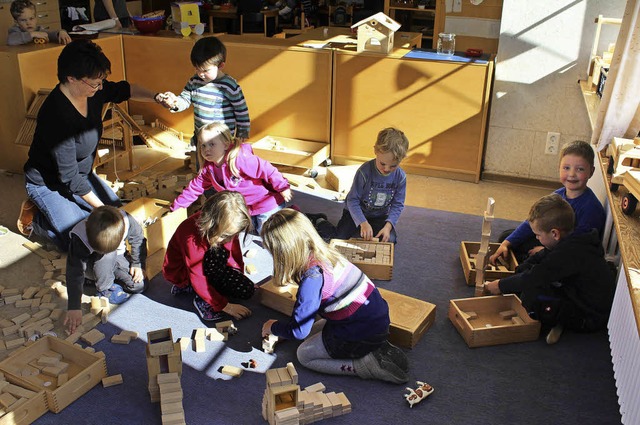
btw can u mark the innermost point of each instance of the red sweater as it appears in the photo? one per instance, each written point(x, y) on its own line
point(183, 261)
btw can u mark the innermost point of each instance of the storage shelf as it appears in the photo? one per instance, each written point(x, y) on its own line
point(413, 19)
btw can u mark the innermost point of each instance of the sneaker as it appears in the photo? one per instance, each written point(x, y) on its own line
point(554, 334)
point(315, 217)
point(177, 290)
point(115, 294)
point(27, 212)
point(206, 312)
point(396, 355)
point(377, 365)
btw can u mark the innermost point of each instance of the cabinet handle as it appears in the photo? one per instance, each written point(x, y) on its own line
point(44, 15)
point(42, 3)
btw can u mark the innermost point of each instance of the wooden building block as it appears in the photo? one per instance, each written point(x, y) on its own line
point(251, 269)
point(110, 381)
point(160, 342)
point(184, 343)
point(121, 339)
point(92, 337)
point(517, 321)
point(317, 387)
point(508, 314)
point(21, 318)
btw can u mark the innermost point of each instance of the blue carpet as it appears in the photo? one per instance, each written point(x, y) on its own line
point(528, 383)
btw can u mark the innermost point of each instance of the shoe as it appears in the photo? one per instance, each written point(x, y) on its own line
point(377, 365)
point(396, 355)
point(206, 312)
point(316, 217)
point(27, 212)
point(554, 334)
point(177, 290)
point(115, 294)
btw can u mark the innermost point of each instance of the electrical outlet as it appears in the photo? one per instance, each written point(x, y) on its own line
point(553, 142)
point(457, 6)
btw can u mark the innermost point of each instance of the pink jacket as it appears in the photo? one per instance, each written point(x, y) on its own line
point(260, 183)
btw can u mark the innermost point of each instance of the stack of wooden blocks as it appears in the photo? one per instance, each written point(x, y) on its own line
point(284, 403)
point(163, 356)
point(375, 259)
point(171, 399)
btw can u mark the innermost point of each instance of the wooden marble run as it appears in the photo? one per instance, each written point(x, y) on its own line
point(482, 258)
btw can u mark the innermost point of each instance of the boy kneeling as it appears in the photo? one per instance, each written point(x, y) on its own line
point(568, 283)
point(97, 251)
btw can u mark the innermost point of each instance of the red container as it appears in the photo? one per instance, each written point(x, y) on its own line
point(148, 25)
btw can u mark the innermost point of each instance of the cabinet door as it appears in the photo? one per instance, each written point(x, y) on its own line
point(6, 21)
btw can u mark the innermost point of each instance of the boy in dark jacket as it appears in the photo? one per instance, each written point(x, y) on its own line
point(568, 283)
point(97, 250)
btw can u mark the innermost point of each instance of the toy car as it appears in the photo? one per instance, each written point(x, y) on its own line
point(624, 155)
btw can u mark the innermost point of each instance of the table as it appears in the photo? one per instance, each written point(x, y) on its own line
point(270, 13)
point(231, 13)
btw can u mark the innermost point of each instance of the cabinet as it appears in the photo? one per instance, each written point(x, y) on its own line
point(427, 20)
point(6, 21)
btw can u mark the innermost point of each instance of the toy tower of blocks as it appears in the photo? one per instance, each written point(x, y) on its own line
point(163, 356)
point(483, 253)
point(375, 259)
point(171, 399)
point(285, 403)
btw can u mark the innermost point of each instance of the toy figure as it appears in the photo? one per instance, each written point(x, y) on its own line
point(423, 391)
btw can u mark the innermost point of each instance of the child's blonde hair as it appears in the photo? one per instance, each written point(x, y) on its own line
point(552, 212)
point(223, 216)
point(392, 140)
point(105, 229)
point(294, 243)
point(581, 149)
point(220, 129)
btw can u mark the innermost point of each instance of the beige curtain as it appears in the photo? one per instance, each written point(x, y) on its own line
point(619, 114)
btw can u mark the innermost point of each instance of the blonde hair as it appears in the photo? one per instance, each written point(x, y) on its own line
point(105, 229)
point(392, 140)
point(220, 129)
point(294, 243)
point(552, 212)
point(223, 216)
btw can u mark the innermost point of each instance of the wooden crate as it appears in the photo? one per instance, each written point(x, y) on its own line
point(30, 410)
point(279, 298)
point(340, 178)
point(375, 259)
point(85, 370)
point(293, 152)
point(468, 250)
point(410, 318)
point(159, 232)
point(489, 327)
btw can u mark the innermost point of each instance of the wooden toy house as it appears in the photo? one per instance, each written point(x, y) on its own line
point(375, 33)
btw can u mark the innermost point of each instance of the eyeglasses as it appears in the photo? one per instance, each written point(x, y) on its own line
point(93, 86)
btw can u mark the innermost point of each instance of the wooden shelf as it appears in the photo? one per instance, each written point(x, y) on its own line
point(413, 19)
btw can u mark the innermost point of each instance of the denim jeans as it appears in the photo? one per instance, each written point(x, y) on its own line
point(59, 210)
point(258, 220)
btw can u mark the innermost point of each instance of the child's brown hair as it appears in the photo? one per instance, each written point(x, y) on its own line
point(392, 140)
point(208, 51)
point(105, 229)
point(552, 212)
point(223, 216)
point(579, 148)
point(18, 6)
point(220, 129)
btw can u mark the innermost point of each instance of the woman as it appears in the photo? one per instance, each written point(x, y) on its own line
point(60, 182)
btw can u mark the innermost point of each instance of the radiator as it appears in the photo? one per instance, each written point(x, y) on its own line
point(625, 352)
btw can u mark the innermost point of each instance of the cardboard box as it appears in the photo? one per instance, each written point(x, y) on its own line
point(375, 259)
point(468, 250)
point(487, 326)
point(293, 152)
point(84, 372)
point(279, 298)
point(410, 318)
point(157, 221)
point(340, 178)
point(28, 411)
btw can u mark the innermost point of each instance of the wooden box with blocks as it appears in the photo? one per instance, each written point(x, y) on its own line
point(468, 251)
point(293, 152)
point(21, 403)
point(64, 371)
point(492, 320)
point(375, 259)
point(410, 318)
point(156, 220)
point(279, 298)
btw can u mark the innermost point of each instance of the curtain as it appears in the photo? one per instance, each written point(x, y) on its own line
point(619, 113)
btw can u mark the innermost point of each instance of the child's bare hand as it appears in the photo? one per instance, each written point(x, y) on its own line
point(72, 320)
point(493, 287)
point(385, 233)
point(167, 99)
point(63, 37)
point(502, 251)
point(266, 328)
point(366, 231)
point(287, 195)
point(535, 249)
point(237, 311)
point(136, 274)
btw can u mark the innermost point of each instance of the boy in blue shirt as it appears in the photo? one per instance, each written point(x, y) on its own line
point(376, 198)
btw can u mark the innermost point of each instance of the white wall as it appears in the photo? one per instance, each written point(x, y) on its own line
point(544, 50)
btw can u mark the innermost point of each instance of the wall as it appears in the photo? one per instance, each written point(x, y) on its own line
point(543, 51)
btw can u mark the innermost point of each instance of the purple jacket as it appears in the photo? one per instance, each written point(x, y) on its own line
point(260, 182)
